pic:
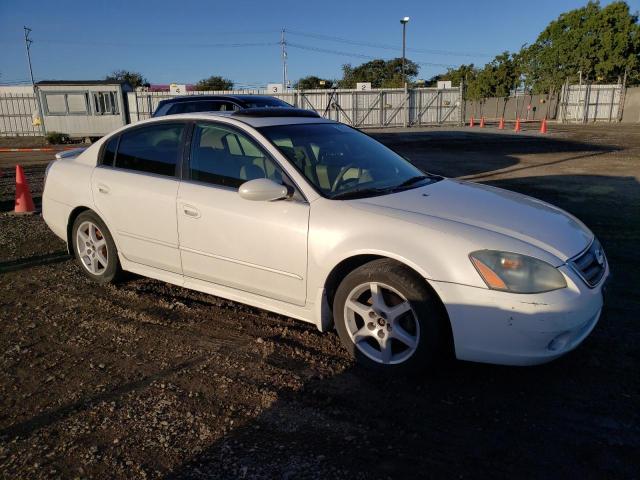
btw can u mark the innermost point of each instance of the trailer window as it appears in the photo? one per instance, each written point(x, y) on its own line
point(66, 103)
point(77, 103)
point(55, 103)
point(105, 103)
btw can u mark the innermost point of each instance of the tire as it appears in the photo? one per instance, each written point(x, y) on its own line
point(412, 341)
point(93, 247)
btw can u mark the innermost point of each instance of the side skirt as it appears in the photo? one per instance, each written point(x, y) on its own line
point(306, 313)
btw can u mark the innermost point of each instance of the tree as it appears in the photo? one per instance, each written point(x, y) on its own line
point(135, 79)
point(601, 42)
point(214, 83)
point(312, 82)
point(380, 73)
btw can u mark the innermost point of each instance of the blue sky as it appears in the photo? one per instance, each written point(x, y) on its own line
point(183, 40)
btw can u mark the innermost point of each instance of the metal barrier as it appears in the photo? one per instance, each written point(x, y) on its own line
point(590, 103)
point(362, 109)
point(16, 114)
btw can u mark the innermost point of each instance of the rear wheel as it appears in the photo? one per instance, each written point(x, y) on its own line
point(94, 248)
point(387, 317)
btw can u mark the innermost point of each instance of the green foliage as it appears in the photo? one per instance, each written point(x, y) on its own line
point(214, 83)
point(381, 73)
point(312, 82)
point(601, 42)
point(135, 79)
point(56, 138)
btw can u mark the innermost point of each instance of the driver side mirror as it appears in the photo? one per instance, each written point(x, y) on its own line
point(263, 190)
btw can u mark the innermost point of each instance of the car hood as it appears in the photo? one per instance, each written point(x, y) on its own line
point(502, 211)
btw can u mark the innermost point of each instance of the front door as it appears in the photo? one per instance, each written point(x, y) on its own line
point(258, 247)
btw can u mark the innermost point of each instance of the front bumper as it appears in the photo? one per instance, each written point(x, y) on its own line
point(521, 329)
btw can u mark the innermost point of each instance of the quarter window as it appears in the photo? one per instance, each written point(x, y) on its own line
point(223, 156)
point(152, 149)
point(109, 152)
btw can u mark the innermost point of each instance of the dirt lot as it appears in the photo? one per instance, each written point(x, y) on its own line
point(147, 380)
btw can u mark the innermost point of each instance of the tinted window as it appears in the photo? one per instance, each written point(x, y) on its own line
point(109, 152)
point(152, 149)
point(265, 102)
point(202, 106)
point(223, 156)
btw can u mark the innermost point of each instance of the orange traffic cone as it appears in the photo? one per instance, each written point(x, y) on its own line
point(543, 125)
point(517, 128)
point(24, 202)
point(501, 124)
point(471, 121)
point(482, 122)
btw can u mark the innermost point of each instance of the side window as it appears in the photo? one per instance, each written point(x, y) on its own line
point(152, 149)
point(109, 152)
point(223, 156)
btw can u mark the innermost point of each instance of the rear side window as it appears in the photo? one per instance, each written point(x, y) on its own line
point(152, 149)
point(109, 152)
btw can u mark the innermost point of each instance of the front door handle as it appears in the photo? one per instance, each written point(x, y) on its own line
point(190, 211)
point(102, 188)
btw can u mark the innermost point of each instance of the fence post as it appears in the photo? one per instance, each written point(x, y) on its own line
point(463, 105)
point(621, 96)
point(354, 108)
point(406, 105)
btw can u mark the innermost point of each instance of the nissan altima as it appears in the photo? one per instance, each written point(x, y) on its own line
point(309, 218)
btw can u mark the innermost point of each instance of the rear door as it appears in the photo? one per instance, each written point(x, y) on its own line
point(135, 189)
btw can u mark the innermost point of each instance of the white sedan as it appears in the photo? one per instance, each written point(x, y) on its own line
point(312, 219)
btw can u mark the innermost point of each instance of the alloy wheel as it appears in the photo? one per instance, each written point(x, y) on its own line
point(92, 248)
point(381, 323)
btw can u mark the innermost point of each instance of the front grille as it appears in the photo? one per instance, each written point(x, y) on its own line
point(591, 264)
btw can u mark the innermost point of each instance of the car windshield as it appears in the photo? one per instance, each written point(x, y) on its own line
point(342, 162)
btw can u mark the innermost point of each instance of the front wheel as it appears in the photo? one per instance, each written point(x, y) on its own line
point(388, 318)
point(94, 248)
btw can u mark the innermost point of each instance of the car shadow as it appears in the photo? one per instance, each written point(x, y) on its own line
point(463, 153)
point(576, 416)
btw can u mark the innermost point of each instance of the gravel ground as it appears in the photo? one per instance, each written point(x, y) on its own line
point(147, 380)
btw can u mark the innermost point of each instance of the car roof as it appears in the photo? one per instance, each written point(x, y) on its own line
point(235, 98)
point(285, 117)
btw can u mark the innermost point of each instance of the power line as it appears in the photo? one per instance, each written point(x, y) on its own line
point(386, 46)
point(358, 55)
point(161, 45)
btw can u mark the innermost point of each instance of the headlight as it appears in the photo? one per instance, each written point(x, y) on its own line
point(512, 272)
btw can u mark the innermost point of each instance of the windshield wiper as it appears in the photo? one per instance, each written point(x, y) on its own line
point(360, 192)
point(410, 182)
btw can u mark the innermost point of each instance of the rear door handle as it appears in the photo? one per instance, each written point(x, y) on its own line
point(190, 211)
point(102, 188)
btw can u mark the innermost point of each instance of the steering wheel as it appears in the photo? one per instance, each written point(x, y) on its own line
point(340, 180)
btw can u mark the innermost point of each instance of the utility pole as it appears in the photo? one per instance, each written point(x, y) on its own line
point(28, 42)
point(283, 44)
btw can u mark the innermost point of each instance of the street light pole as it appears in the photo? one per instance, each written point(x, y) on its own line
point(404, 22)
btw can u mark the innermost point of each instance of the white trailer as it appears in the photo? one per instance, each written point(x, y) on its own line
point(83, 108)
